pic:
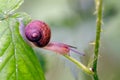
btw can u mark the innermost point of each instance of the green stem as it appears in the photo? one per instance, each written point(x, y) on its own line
point(80, 65)
point(97, 41)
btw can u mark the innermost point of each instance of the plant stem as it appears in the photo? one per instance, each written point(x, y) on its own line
point(97, 41)
point(80, 65)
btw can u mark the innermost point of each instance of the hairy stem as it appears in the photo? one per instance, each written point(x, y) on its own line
point(80, 65)
point(97, 41)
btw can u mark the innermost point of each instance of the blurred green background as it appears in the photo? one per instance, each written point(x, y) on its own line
point(73, 22)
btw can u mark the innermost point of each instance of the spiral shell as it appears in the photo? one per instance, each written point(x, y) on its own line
point(38, 33)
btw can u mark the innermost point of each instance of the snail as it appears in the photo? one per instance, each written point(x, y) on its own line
point(38, 34)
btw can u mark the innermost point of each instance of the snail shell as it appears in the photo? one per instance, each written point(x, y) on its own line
point(38, 33)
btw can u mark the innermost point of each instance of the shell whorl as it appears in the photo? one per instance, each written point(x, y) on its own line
point(38, 33)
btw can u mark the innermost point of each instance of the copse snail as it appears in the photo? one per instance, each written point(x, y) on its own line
point(38, 33)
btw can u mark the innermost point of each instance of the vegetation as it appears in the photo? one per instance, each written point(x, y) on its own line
point(71, 22)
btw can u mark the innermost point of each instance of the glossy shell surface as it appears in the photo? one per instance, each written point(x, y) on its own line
point(38, 33)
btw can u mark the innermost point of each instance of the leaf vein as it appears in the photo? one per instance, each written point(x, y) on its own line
point(12, 37)
point(6, 48)
point(5, 62)
point(3, 32)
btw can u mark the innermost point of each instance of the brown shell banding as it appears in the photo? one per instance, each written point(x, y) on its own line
point(42, 28)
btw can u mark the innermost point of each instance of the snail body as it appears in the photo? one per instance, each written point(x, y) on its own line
point(38, 33)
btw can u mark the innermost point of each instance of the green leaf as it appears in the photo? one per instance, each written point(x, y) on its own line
point(17, 59)
point(8, 6)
